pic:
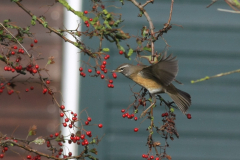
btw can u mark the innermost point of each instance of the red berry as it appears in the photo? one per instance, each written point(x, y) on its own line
point(86, 22)
point(45, 90)
point(105, 71)
point(64, 124)
point(75, 114)
point(51, 135)
point(12, 52)
point(14, 47)
point(89, 70)
point(6, 68)
point(151, 157)
point(66, 119)
point(82, 136)
point(31, 87)
point(110, 81)
point(87, 25)
point(163, 114)
point(70, 154)
point(102, 76)
point(29, 157)
point(34, 71)
point(114, 75)
point(100, 125)
point(109, 85)
point(9, 68)
point(17, 60)
point(157, 158)
point(102, 69)
point(120, 52)
point(102, 66)
point(36, 66)
point(5, 148)
point(13, 70)
point(60, 144)
point(88, 133)
point(112, 86)
point(80, 69)
point(135, 129)
point(70, 125)
point(27, 90)
point(87, 122)
point(166, 114)
point(189, 116)
point(89, 119)
point(31, 45)
point(135, 118)
point(90, 19)
point(123, 110)
point(85, 12)
point(35, 41)
point(98, 72)
point(61, 114)
point(104, 62)
point(62, 107)
point(143, 156)
point(123, 115)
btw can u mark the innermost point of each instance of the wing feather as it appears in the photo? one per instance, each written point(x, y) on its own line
point(165, 70)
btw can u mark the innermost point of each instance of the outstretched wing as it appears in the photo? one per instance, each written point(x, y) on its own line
point(165, 70)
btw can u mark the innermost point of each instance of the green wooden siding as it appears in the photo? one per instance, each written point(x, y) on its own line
point(207, 44)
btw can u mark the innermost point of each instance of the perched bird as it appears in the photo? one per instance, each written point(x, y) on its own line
point(157, 78)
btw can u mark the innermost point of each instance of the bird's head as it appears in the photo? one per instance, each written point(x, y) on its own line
point(125, 69)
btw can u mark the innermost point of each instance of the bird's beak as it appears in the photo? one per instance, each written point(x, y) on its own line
point(113, 71)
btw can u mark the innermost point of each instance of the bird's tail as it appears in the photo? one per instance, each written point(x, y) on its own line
point(181, 99)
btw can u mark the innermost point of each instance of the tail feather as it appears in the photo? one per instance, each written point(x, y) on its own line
point(181, 99)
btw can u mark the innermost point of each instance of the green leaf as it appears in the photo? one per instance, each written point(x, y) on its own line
point(34, 17)
point(121, 48)
point(33, 22)
point(171, 109)
point(130, 52)
point(105, 49)
point(105, 11)
point(147, 49)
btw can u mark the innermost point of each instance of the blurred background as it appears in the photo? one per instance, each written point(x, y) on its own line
point(205, 45)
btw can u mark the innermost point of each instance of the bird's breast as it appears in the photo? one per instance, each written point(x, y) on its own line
point(151, 85)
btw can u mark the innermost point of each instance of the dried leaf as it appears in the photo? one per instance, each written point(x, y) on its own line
point(157, 143)
point(168, 157)
point(32, 130)
point(94, 150)
point(51, 60)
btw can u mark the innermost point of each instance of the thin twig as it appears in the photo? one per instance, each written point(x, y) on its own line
point(215, 76)
point(30, 56)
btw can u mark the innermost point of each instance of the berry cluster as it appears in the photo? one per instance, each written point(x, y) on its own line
point(149, 157)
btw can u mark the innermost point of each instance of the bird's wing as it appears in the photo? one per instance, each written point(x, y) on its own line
point(165, 70)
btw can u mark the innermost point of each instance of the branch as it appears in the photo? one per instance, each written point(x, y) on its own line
point(215, 76)
point(141, 8)
point(226, 10)
point(54, 30)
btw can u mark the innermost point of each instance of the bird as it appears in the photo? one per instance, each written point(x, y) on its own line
point(157, 78)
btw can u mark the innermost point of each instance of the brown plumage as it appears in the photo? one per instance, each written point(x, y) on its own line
point(157, 78)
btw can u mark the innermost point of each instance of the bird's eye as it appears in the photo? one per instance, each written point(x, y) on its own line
point(121, 69)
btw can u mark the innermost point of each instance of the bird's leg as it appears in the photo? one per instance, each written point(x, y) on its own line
point(152, 104)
